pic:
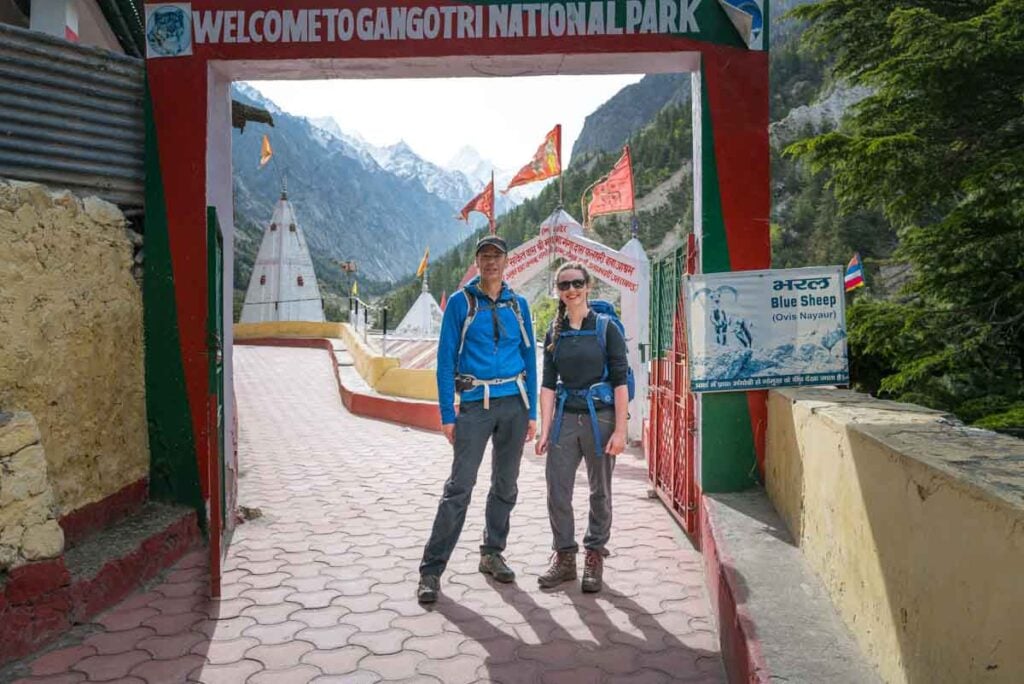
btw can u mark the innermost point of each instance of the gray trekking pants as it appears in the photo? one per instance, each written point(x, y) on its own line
point(505, 425)
point(575, 443)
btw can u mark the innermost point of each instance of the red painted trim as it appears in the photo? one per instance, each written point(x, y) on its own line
point(216, 516)
point(98, 515)
point(40, 601)
point(418, 414)
point(757, 405)
point(741, 650)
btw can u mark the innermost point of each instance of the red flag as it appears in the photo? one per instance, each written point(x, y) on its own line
point(615, 192)
point(444, 299)
point(546, 162)
point(483, 203)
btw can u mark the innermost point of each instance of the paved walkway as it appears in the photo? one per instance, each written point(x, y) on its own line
point(321, 588)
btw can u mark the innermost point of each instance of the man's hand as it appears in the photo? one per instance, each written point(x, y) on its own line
point(531, 430)
point(541, 446)
point(449, 432)
point(617, 444)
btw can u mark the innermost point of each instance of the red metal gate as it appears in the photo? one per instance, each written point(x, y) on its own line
point(671, 432)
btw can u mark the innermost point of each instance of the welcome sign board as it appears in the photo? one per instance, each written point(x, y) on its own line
point(762, 329)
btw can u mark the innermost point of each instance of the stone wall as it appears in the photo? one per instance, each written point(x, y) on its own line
point(71, 338)
point(28, 520)
point(914, 523)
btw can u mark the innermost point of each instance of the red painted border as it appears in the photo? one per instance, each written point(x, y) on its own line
point(100, 514)
point(40, 601)
point(737, 636)
point(417, 414)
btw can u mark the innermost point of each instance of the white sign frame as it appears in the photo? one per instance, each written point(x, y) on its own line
point(817, 333)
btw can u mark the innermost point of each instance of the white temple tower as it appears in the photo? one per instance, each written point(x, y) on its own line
point(283, 285)
point(424, 318)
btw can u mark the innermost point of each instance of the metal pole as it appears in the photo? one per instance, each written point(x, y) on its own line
point(384, 343)
point(366, 321)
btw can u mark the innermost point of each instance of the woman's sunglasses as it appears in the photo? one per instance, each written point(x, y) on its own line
point(579, 284)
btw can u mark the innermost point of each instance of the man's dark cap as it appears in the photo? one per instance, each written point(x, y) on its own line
point(494, 241)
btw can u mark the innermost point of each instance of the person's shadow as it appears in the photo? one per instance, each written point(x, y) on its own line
point(615, 639)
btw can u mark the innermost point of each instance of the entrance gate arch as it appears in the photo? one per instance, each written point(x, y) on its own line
point(196, 49)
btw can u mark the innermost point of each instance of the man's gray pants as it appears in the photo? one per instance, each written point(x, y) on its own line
point(505, 425)
point(575, 443)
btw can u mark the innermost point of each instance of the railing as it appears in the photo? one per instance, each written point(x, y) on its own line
point(359, 319)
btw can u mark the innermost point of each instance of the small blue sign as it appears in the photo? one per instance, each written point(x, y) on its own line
point(169, 30)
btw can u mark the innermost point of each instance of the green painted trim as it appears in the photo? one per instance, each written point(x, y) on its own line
point(173, 468)
point(714, 24)
point(728, 457)
point(767, 14)
point(714, 249)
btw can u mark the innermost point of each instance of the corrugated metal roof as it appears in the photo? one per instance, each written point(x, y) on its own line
point(71, 117)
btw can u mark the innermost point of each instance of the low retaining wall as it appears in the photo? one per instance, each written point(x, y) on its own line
point(914, 523)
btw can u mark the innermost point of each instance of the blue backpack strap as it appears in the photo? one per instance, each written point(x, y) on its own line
point(602, 339)
point(470, 315)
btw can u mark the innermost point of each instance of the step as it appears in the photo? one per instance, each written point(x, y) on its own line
point(40, 601)
point(776, 620)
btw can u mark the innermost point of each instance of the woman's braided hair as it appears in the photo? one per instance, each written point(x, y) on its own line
point(556, 325)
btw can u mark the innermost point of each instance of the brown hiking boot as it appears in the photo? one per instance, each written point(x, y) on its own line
point(563, 569)
point(593, 569)
point(494, 565)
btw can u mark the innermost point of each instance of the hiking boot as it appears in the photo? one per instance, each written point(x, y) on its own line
point(494, 565)
point(428, 588)
point(563, 569)
point(593, 569)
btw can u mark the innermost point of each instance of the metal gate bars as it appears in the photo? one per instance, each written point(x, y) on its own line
point(671, 432)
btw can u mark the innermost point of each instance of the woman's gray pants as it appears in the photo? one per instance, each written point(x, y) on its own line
point(576, 442)
point(504, 424)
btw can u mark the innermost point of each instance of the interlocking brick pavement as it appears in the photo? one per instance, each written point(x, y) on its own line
point(321, 588)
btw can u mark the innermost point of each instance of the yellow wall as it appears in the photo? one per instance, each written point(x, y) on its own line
point(286, 329)
point(409, 383)
point(71, 338)
point(916, 527)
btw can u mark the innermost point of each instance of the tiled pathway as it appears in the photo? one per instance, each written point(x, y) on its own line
point(321, 588)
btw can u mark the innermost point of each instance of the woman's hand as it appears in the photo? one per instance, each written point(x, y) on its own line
point(541, 446)
point(616, 444)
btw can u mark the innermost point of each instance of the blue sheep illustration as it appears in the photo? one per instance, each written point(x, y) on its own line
point(722, 321)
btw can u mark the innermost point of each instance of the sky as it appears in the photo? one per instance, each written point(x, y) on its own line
point(505, 119)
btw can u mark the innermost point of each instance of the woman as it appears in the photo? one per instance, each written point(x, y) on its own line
point(584, 402)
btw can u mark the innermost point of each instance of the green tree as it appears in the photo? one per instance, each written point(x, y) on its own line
point(938, 148)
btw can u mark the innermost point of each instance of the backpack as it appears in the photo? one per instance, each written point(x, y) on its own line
point(471, 314)
point(605, 314)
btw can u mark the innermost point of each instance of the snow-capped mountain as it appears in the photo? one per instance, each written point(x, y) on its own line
point(470, 162)
point(450, 185)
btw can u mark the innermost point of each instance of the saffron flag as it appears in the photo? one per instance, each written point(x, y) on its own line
point(615, 192)
point(482, 203)
point(444, 299)
point(355, 288)
point(854, 274)
point(546, 162)
point(423, 264)
point(265, 152)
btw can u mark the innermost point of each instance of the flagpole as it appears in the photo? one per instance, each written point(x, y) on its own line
point(634, 226)
point(490, 218)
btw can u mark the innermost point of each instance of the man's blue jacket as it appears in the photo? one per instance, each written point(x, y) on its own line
point(484, 356)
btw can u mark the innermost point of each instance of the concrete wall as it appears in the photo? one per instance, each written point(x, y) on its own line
point(71, 338)
point(916, 526)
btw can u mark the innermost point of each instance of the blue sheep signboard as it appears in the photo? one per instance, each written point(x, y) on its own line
point(762, 329)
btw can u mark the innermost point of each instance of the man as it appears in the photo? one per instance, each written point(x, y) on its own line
point(486, 353)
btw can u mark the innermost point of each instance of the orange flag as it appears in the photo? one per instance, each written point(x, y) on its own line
point(546, 163)
point(444, 299)
point(615, 192)
point(265, 152)
point(482, 203)
point(424, 262)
